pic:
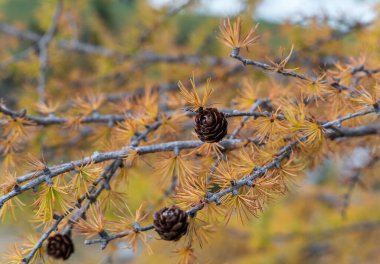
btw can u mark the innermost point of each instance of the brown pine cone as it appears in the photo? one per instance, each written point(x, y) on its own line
point(210, 125)
point(60, 246)
point(170, 223)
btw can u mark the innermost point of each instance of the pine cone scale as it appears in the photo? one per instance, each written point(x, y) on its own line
point(177, 226)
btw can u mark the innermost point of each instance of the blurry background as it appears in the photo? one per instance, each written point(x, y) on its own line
point(311, 224)
point(280, 10)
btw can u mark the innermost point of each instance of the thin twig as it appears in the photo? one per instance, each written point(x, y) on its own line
point(353, 181)
point(246, 118)
point(111, 118)
point(42, 45)
point(266, 67)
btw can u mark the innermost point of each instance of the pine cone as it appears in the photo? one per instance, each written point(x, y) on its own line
point(170, 223)
point(210, 125)
point(60, 246)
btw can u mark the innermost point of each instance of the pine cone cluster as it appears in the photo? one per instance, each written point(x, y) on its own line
point(210, 125)
point(60, 246)
point(170, 223)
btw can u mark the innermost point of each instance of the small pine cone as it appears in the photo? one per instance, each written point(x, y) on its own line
point(60, 246)
point(210, 125)
point(170, 223)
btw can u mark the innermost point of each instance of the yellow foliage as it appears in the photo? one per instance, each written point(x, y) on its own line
point(108, 90)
